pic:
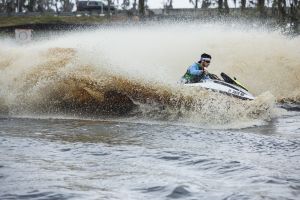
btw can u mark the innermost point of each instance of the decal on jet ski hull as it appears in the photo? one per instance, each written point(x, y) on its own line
point(235, 92)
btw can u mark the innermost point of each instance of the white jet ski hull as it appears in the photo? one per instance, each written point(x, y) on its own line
point(223, 87)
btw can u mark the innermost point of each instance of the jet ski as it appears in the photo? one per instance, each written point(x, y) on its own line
point(226, 86)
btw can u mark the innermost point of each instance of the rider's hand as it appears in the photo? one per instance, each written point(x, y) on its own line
point(205, 70)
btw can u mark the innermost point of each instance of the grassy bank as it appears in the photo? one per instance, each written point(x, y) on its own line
point(50, 19)
point(69, 21)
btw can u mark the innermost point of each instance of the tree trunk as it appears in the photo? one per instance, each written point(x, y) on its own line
point(56, 7)
point(134, 5)
point(295, 6)
point(108, 7)
point(294, 11)
point(226, 6)
point(10, 7)
point(125, 4)
point(171, 4)
point(261, 7)
point(243, 5)
point(220, 6)
point(281, 8)
point(141, 7)
point(196, 4)
point(66, 5)
point(205, 4)
point(31, 5)
point(20, 4)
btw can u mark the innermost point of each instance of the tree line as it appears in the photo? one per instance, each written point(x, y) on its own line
point(283, 8)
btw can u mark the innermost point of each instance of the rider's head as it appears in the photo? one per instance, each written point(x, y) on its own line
point(205, 58)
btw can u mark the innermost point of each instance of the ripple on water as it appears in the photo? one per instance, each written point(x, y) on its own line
point(66, 149)
point(179, 192)
point(237, 197)
point(204, 163)
point(295, 189)
point(38, 195)
point(153, 189)
point(232, 167)
point(171, 157)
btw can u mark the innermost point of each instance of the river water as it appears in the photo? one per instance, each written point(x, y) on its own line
point(97, 114)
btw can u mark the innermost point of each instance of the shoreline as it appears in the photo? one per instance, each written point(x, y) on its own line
point(69, 23)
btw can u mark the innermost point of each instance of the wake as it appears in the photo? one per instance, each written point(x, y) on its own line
point(132, 71)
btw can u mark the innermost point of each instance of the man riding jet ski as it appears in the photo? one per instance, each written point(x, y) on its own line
point(197, 71)
point(198, 76)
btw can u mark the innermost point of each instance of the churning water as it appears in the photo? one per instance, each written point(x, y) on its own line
point(98, 114)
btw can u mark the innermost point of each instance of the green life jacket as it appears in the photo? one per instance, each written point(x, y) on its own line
point(191, 78)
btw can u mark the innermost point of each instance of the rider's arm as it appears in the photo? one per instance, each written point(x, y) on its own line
point(194, 69)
